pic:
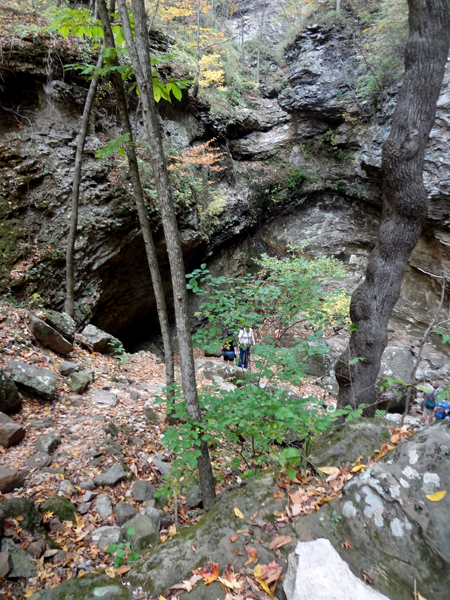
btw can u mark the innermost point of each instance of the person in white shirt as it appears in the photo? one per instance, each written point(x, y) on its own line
point(246, 339)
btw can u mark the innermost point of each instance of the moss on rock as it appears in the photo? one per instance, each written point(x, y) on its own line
point(15, 507)
point(344, 444)
point(60, 507)
point(174, 560)
point(89, 587)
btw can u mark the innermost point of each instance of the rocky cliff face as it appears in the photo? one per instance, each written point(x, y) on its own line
point(302, 162)
point(332, 138)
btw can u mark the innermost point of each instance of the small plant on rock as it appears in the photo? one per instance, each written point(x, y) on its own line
point(123, 551)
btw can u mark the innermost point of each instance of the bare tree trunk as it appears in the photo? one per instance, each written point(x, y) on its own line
point(140, 58)
point(69, 305)
point(405, 202)
point(338, 6)
point(139, 197)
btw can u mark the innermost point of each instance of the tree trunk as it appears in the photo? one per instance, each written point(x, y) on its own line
point(405, 202)
point(140, 58)
point(69, 305)
point(152, 259)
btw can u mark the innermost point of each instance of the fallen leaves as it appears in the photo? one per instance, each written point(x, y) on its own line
point(329, 470)
point(234, 538)
point(236, 585)
point(399, 434)
point(358, 468)
point(111, 572)
point(252, 555)
point(437, 496)
point(347, 545)
point(211, 576)
point(280, 541)
point(188, 584)
point(268, 575)
point(238, 513)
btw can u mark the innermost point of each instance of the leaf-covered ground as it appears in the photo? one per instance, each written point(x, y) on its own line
point(84, 453)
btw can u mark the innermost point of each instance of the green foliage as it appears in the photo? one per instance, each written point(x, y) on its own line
point(296, 178)
point(381, 49)
point(123, 552)
point(113, 146)
point(80, 22)
point(250, 424)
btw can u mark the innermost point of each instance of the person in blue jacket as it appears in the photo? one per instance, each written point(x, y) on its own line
point(442, 410)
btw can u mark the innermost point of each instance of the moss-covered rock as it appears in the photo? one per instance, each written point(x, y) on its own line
point(173, 561)
point(22, 563)
point(89, 587)
point(15, 507)
point(60, 507)
point(10, 401)
point(397, 533)
point(345, 443)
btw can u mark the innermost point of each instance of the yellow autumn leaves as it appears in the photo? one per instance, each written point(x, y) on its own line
point(437, 496)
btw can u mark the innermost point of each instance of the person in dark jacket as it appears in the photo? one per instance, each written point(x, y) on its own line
point(228, 347)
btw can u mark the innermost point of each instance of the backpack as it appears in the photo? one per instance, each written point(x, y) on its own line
point(430, 402)
point(441, 407)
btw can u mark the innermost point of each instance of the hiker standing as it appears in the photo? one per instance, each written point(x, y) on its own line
point(229, 343)
point(246, 339)
point(428, 406)
point(442, 410)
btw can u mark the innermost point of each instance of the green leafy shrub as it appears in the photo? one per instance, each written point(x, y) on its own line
point(260, 422)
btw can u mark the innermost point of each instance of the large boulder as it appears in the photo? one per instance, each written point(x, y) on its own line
point(67, 367)
point(143, 490)
point(11, 433)
point(305, 577)
point(173, 561)
point(89, 587)
point(344, 444)
point(10, 480)
point(123, 513)
point(22, 563)
point(5, 564)
point(210, 369)
point(78, 381)
point(61, 322)
point(261, 144)
point(318, 361)
point(395, 529)
point(101, 341)
point(49, 337)
point(104, 536)
point(49, 442)
point(104, 397)
point(140, 531)
point(39, 460)
point(10, 401)
point(111, 476)
point(34, 380)
point(60, 507)
point(15, 507)
point(396, 362)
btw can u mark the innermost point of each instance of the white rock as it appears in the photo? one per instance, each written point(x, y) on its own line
point(66, 489)
point(103, 536)
point(317, 572)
